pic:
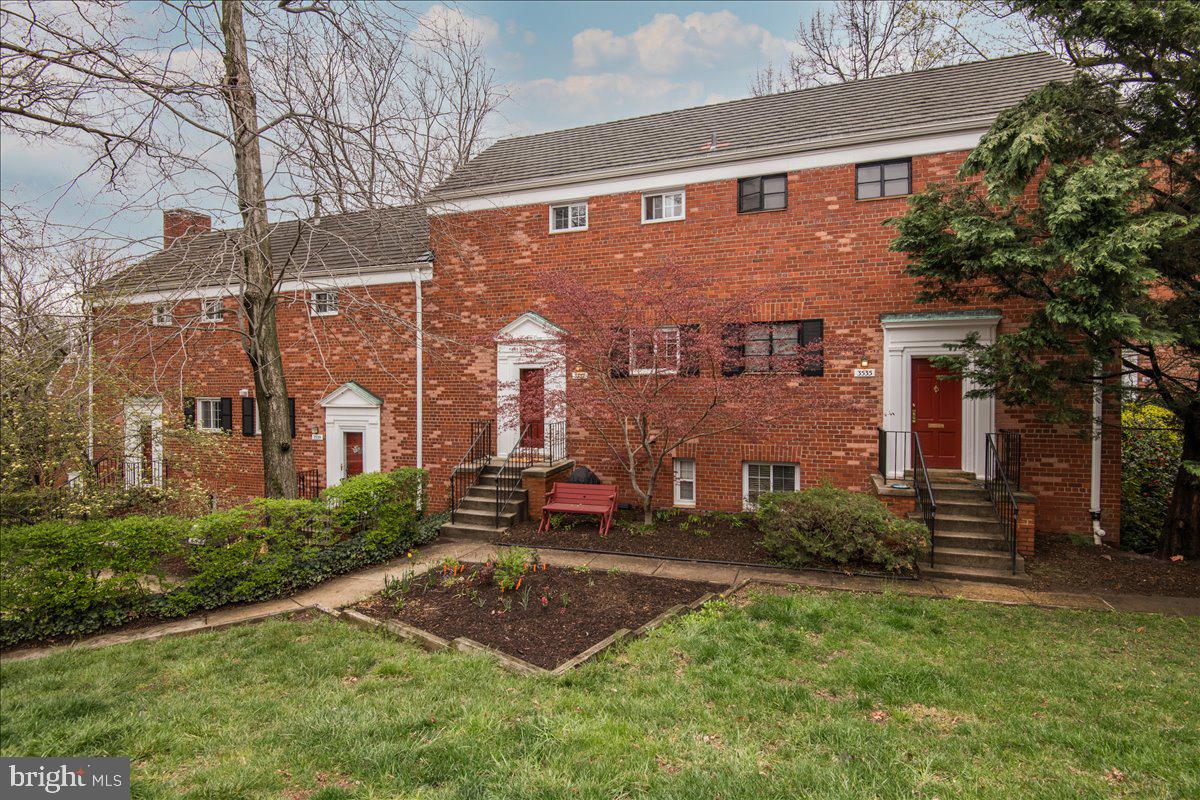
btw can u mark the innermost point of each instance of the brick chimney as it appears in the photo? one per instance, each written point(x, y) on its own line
point(181, 222)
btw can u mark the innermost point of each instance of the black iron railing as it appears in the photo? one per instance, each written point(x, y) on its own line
point(117, 473)
point(999, 489)
point(556, 442)
point(923, 490)
point(308, 483)
point(469, 468)
point(1008, 447)
point(508, 480)
point(893, 452)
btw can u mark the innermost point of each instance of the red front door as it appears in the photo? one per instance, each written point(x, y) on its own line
point(937, 415)
point(353, 443)
point(533, 406)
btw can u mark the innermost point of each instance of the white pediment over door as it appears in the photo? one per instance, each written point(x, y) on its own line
point(351, 395)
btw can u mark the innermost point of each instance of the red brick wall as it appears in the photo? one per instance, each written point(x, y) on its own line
point(825, 256)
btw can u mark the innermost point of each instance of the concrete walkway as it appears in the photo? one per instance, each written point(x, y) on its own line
point(351, 588)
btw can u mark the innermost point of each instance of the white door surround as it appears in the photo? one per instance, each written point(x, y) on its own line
point(137, 412)
point(351, 408)
point(526, 343)
point(906, 336)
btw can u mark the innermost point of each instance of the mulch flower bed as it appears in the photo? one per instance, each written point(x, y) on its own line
point(722, 537)
point(552, 615)
point(1067, 564)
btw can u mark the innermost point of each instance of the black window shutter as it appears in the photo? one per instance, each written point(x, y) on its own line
point(247, 416)
point(689, 358)
point(735, 349)
point(812, 331)
point(619, 355)
point(189, 412)
point(292, 415)
point(227, 414)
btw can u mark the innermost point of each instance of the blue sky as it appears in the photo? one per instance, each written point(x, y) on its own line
point(564, 64)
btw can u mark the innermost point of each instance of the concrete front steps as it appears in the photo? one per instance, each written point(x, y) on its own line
point(476, 515)
point(968, 541)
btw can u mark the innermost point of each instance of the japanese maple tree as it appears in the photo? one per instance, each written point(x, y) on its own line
point(667, 360)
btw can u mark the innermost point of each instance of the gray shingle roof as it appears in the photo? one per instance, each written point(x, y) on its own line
point(978, 90)
point(342, 244)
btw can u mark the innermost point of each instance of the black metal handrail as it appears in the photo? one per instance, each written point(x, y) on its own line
point(893, 452)
point(508, 480)
point(110, 473)
point(1000, 491)
point(1008, 446)
point(556, 442)
point(470, 467)
point(308, 483)
point(923, 490)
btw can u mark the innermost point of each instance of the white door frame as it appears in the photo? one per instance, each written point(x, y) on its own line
point(138, 410)
point(524, 344)
point(906, 336)
point(350, 408)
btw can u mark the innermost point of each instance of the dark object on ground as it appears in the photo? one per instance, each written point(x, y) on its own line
point(583, 475)
point(1071, 564)
point(556, 614)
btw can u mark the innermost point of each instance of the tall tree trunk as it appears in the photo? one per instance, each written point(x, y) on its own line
point(1181, 534)
point(258, 290)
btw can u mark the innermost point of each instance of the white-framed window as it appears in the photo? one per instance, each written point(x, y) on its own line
point(162, 316)
point(654, 351)
point(1130, 379)
point(685, 481)
point(208, 414)
point(759, 477)
point(569, 217)
point(663, 206)
point(323, 303)
point(212, 309)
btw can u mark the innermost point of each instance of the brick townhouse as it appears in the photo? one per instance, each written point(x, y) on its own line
point(389, 319)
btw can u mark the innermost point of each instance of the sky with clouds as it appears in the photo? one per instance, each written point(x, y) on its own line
point(563, 63)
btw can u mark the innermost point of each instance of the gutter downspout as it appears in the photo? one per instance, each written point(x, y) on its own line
point(91, 386)
point(1097, 451)
point(420, 374)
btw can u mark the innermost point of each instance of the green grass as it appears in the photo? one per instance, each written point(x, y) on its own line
point(809, 695)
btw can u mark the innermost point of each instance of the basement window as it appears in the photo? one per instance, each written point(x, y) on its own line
point(323, 304)
point(685, 481)
point(884, 179)
point(758, 478)
point(569, 217)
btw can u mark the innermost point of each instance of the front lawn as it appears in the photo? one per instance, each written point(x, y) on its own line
point(803, 695)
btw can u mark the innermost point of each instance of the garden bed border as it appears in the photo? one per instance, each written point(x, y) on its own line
point(434, 643)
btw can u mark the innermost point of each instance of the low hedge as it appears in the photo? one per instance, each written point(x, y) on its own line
point(71, 579)
point(824, 525)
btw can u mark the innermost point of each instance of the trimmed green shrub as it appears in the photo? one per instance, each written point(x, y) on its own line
point(75, 578)
point(1151, 447)
point(835, 526)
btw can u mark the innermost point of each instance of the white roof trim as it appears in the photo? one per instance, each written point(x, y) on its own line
point(367, 400)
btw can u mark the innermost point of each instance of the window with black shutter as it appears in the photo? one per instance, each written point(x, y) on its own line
point(227, 414)
point(782, 346)
point(762, 193)
point(618, 354)
point(189, 412)
point(292, 415)
point(689, 354)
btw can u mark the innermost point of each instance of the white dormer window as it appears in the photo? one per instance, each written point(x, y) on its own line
point(162, 316)
point(323, 304)
point(212, 309)
point(569, 217)
point(663, 206)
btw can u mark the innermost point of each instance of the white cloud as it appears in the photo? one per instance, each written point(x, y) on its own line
point(446, 19)
point(580, 99)
point(668, 44)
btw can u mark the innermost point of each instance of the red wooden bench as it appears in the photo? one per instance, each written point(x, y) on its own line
point(581, 498)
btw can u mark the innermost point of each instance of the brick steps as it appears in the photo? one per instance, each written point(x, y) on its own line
point(476, 513)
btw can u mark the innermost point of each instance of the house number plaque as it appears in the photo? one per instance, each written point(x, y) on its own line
point(859, 372)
